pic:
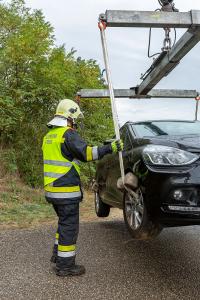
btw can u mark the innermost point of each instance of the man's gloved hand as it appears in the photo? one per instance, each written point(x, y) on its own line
point(117, 146)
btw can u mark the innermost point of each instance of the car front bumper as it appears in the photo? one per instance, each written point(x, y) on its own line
point(173, 195)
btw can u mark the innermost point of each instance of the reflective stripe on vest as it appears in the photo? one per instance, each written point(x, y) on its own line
point(53, 175)
point(57, 163)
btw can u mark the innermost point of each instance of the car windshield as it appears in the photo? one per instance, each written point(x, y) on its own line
point(158, 128)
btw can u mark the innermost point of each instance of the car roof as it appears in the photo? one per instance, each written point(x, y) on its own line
point(151, 121)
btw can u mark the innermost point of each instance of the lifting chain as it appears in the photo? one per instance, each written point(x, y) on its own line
point(167, 6)
point(167, 43)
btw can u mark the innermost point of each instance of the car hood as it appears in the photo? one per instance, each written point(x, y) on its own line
point(187, 142)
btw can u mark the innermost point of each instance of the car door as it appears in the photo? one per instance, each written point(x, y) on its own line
point(112, 194)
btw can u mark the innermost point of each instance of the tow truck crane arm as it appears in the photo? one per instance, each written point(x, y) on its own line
point(166, 17)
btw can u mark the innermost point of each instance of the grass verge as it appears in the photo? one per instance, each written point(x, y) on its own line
point(22, 206)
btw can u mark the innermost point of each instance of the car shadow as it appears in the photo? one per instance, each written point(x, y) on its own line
point(170, 261)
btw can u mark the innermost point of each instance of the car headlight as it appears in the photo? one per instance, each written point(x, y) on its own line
point(167, 156)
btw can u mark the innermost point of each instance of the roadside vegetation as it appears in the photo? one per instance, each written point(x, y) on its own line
point(22, 206)
point(35, 74)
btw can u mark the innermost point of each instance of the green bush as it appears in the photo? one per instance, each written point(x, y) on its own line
point(8, 161)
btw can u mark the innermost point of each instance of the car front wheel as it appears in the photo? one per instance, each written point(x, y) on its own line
point(101, 208)
point(136, 217)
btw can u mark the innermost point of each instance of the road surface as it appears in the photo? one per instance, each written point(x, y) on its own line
point(117, 266)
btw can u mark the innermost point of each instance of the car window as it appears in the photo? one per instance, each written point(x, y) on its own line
point(126, 139)
point(157, 128)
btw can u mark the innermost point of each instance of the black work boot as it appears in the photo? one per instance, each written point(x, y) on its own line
point(75, 270)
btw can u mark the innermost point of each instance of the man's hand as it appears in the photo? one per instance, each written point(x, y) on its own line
point(117, 146)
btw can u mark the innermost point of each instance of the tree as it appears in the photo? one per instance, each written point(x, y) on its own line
point(34, 75)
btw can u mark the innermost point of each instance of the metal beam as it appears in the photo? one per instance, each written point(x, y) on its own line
point(130, 93)
point(168, 61)
point(162, 93)
point(157, 19)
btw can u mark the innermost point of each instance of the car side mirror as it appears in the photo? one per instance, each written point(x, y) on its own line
point(108, 141)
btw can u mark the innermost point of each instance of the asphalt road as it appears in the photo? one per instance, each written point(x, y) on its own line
point(117, 267)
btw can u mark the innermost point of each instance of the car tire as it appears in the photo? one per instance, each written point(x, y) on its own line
point(101, 208)
point(136, 217)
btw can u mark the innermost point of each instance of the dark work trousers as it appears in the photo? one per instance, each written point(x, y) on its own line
point(67, 234)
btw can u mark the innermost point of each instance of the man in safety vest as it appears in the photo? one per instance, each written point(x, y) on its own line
point(62, 150)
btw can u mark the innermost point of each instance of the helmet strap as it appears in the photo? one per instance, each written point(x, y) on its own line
point(72, 123)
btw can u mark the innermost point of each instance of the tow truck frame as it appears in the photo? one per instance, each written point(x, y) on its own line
point(161, 66)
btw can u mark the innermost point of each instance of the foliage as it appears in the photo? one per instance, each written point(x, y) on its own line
point(34, 75)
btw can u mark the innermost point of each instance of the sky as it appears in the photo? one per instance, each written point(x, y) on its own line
point(75, 24)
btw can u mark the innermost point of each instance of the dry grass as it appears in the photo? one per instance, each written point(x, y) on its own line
point(22, 206)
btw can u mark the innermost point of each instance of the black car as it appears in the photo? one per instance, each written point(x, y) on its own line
point(162, 182)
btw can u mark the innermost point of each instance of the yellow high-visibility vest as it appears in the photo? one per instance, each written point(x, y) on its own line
point(56, 165)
